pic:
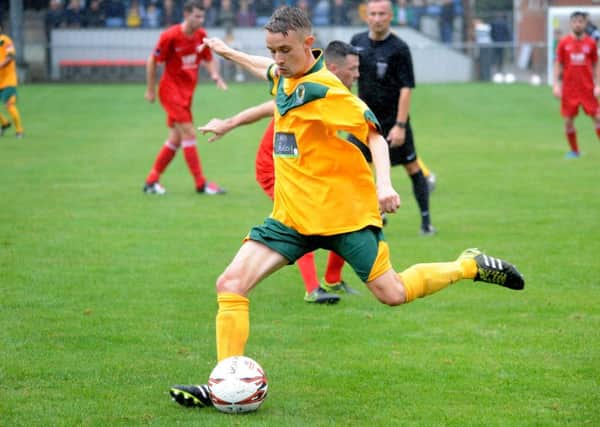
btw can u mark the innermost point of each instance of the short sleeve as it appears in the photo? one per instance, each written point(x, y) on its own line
point(163, 47)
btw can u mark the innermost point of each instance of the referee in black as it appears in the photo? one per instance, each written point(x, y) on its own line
point(385, 84)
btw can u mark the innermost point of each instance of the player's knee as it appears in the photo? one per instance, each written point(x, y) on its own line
point(393, 299)
point(228, 281)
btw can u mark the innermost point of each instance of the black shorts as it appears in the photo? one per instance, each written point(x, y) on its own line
point(399, 155)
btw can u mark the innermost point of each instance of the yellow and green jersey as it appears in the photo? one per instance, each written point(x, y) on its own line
point(8, 74)
point(323, 184)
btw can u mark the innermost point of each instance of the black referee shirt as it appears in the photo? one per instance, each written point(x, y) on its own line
point(385, 68)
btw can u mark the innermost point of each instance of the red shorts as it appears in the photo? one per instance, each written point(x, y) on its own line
point(569, 105)
point(265, 168)
point(177, 106)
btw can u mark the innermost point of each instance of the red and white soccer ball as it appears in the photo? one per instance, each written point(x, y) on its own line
point(237, 384)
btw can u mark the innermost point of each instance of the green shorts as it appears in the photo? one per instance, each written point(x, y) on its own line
point(365, 250)
point(7, 92)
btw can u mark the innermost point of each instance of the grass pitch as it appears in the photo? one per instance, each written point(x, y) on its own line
point(107, 295)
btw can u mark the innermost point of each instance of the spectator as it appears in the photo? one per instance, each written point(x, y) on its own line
point(263, 8)
point(304, 5)
point(339, 13)
point(135, 12)
point(419, 9)
point(152, 17)
point(500, 34)
point(321, 13)
point(211, 14)
point(400, 13)
point(591, 29)
point(246, 16)
point(226, 17)
point(446, 21)
point(55, 17)
point(74, 14)
point(114, 10)
point(93, 15)
point(483, 40)
point(171, 13)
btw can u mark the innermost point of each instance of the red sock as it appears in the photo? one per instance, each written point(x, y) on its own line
point(572, 138)
point(165, 155)
point(307, 268)
point(193, 162)
point(598, 132)
point(335, 263)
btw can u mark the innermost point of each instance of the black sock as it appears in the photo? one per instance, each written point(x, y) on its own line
point(421, 192)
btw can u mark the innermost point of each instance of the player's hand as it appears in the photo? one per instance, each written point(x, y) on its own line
point(396, 137)
point(220, 82)
point(217, 45)
point(389, 200)
point(556, 89)
point(150, 96)
point(217, 127)
point(596, 91)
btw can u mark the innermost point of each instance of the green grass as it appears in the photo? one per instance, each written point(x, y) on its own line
point(107, 296)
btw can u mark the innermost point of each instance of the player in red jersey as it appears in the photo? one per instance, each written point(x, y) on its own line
point(577, 64)
point(182, 50)
point(342, 60)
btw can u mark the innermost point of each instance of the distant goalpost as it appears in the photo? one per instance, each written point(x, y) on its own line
point(558, 26)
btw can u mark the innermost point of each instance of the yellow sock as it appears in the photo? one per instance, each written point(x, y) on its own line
point(16, 117)
point(3, 120)
point(424, 168)
point(233, 325)
point(421, 280)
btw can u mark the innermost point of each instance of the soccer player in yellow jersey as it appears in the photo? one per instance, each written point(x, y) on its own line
point(8, 85)
point(325, 194)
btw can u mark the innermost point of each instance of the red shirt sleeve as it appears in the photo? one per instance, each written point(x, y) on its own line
point(163, 47)
point(594, 52)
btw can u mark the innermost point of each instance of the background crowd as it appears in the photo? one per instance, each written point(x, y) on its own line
point(238, 13)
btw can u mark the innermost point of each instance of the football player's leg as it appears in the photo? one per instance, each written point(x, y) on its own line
point(188, 144)
point(253, 262)
point(426, 171)
point(421, 193)
point(568, 110)
point(164, 157)
point(592, 109)
point(308, 271)
point(13, 111)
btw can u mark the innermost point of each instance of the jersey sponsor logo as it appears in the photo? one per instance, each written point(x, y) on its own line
point(577, 58)
point(285, 145)
point(188, 62)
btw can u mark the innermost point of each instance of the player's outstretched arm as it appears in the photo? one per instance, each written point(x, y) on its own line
point(389, 200)
point(219, 127)
point(257, 65)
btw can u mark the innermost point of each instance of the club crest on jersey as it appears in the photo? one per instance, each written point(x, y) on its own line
point(381, 69)
point(200, 48)
point(300, 92)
